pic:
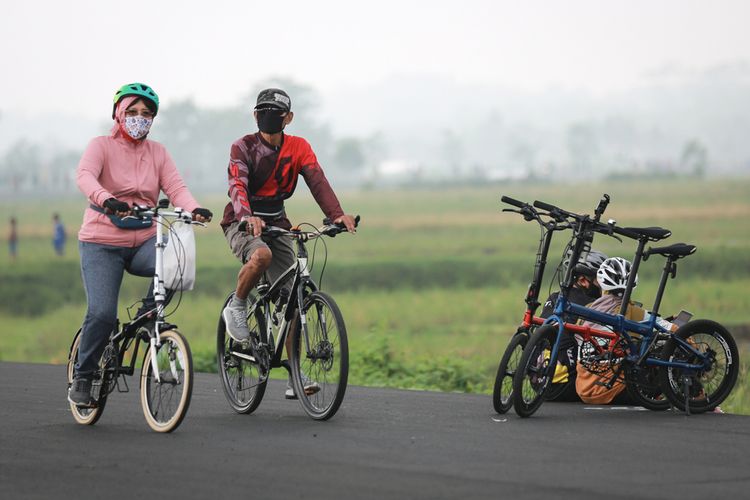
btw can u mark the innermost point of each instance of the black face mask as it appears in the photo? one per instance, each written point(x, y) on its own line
point(593, 291)
point(270, 122)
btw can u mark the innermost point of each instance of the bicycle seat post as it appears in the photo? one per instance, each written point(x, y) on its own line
point(670, 268)
point(633, 273)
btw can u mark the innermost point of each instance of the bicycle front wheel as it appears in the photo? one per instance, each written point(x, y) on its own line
point(165, 400)
point(241, 373)
point(704, 389)
point(320, 360)
point(535, 371)
point(502, 395)
point(84, 416)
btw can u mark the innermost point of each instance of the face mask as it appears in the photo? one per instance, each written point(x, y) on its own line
point(593, 291)
point(270, 122)
point(137, 126)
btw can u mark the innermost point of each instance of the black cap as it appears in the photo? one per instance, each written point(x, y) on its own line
point(275, 98)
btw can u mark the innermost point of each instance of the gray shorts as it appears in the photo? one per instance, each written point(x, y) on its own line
point(244, 245)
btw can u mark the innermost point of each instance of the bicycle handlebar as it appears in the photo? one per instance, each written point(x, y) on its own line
point(329, 229)
point(608, 228)
point(141, 211)
point(511, 201)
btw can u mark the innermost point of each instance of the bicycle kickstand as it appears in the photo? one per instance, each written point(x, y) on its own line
point(124, 382)
point(686, 383)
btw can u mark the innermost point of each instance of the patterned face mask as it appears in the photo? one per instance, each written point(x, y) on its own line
point(137, 126)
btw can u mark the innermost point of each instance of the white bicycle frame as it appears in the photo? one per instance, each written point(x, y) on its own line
point(159, 290)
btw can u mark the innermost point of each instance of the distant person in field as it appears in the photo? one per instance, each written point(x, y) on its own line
point(13, 239)
point(58, 235)
point(263, 171)
point(115, 172)
point(585, 290)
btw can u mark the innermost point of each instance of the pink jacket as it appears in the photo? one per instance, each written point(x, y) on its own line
point(114, 167)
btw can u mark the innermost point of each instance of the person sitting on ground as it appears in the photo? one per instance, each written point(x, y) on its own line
point(612, 277)
point(585, 289)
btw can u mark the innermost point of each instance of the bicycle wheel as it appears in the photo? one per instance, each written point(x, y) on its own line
point(320, 362)
point(502, 395)
point(535, 371)
point(165, 402)
point(84, 416)
point(239, 372)
point(707, 387)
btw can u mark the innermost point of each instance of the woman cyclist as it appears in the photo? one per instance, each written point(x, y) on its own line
point(116, 172)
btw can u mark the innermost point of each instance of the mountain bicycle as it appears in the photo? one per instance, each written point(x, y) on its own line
point(309, 317)
point(166, 379)
point(694, 368)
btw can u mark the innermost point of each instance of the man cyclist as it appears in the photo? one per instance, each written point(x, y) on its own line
point(264, 168)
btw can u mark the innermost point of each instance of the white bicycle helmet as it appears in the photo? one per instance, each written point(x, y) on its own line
point(613, 274)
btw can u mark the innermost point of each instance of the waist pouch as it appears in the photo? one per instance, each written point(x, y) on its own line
point(267, 209)
point(129, 222)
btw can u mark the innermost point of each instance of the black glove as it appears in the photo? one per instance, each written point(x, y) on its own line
point(116, 205)
point(203, 212)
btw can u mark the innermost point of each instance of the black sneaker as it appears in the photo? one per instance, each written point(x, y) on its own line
point(79, 393)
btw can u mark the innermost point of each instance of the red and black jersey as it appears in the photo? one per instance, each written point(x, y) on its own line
point(262, 176)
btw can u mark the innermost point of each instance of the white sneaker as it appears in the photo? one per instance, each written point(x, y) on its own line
point(310, 387)
point(236, 321)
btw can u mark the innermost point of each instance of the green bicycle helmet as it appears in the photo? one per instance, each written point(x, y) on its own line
point(140, 89)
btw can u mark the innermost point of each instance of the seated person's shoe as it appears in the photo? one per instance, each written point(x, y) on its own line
point(79, 393)
point(310, 387)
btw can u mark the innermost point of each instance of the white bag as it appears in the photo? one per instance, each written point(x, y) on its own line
point(179, 257)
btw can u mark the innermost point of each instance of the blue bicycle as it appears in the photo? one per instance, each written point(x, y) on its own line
point(694, 368)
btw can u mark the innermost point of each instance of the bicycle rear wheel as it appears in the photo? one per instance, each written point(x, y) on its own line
point(84, 416)
point(165, 401)
point(705, 389)
point(535, 371)
point(239, 372)
point(320, 361)
point(502, 395)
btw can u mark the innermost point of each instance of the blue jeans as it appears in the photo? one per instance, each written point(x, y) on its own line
point(102, 268)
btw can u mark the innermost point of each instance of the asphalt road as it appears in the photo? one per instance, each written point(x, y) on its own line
point(383, 443)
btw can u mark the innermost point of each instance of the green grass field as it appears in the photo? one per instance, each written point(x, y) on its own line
point(432, 285)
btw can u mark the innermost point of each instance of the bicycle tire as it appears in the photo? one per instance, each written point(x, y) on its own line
point(502, 394)
point(532, 379)
point(708, 387)
point(239, 377)
point(327, 363)
point(83, 416)
point(165, 403)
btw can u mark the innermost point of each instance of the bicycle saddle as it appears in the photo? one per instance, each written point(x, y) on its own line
point(652, 233)
point(677, 250)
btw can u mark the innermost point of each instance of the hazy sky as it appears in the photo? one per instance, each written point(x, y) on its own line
point(71, 55)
